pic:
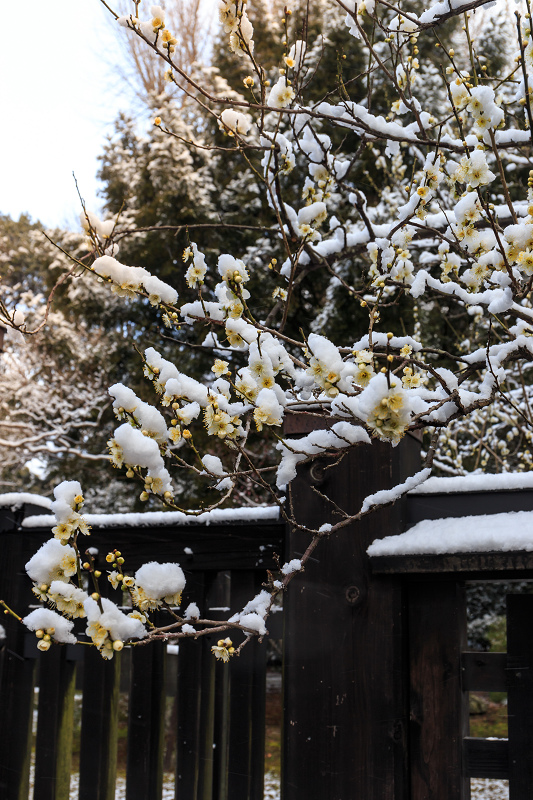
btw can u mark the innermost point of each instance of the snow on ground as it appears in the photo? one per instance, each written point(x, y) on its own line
point(482, 789)
point(512, 530)
point(271, 788)
point(488, 789)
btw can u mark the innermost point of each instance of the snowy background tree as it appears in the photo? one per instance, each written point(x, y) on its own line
point(341, 203)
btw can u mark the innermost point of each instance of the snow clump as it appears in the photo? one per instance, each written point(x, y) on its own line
point(157, 583)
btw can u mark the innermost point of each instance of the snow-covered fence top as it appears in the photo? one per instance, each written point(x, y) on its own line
point(16, 500)
point(163, 518)
point(482, 482)
point(510, 531)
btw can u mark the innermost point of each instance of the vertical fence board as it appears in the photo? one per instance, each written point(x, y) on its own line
point(439, 706)
point(221, 734)
point(247, 704)
point(65, 727)
point(16, 703)
point(55, 725)
point(188, 715)
point(207, 722)
point(19, 671)
point(146, 723)
point(344, 684)
point(99, 726)
point(520, 695)
point(46, 745)
point(220, 597)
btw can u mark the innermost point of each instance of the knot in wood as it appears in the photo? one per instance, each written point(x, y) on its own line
point(353, 595)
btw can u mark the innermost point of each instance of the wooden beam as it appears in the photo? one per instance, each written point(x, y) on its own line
point(484, 672)
point(221, 546)
point(487, 758)
point(439, 705)
point(517, 565)
point(344, 681)
point(465, 504)
point(520, 694)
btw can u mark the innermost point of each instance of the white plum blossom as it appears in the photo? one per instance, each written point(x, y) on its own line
point(235, 121)
point(281, 94)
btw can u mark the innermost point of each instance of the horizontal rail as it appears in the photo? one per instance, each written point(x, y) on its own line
point(484, 672)
point(486, 758)
point(220, 546)
point(515, 564)
point(465, 504)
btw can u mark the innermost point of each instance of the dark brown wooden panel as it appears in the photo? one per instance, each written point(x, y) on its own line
point(466, 504)
point(146, 723)
point(214, 547)
point(53, 746)
point(99, 726)
point(484, 672)
point(344, 682)
point(486, 758)
point(18, 672)
point(439, 706)
point(520, 695)
point(247, 704)
point(198, 772)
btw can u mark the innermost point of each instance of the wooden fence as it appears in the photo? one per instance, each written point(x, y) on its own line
point(218, 709)
point(376, 671)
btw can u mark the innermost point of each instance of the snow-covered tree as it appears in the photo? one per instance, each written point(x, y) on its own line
point(400, 187)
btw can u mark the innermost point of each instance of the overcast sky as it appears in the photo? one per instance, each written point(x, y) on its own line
point(58, 97)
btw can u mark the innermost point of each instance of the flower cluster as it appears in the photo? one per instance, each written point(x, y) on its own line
point(66, 508)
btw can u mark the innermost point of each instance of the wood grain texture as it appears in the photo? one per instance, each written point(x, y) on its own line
point(439, 705)
point(520, 695)
point(344, 669)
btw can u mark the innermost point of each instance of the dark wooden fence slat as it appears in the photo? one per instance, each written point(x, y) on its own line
point(247, 699)
point(55, 726)
point(344, 686)
point(99, 726)
point(439, 707)
point(196, 697)
point(219, 598)
point(258, 666)
point(146, 723)
point(65, 727)
point(520, 695)
point(216, 596)
point(19, 672)
point(486, 758)
point(188, 716)
point(484, 672)
point(188, 699)
point(16, 704)
point(221, 734)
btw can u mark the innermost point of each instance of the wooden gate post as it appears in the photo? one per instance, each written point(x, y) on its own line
point(344, 681)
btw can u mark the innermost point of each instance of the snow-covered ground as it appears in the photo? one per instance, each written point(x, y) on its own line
point(481, 789)
point(271, 788)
